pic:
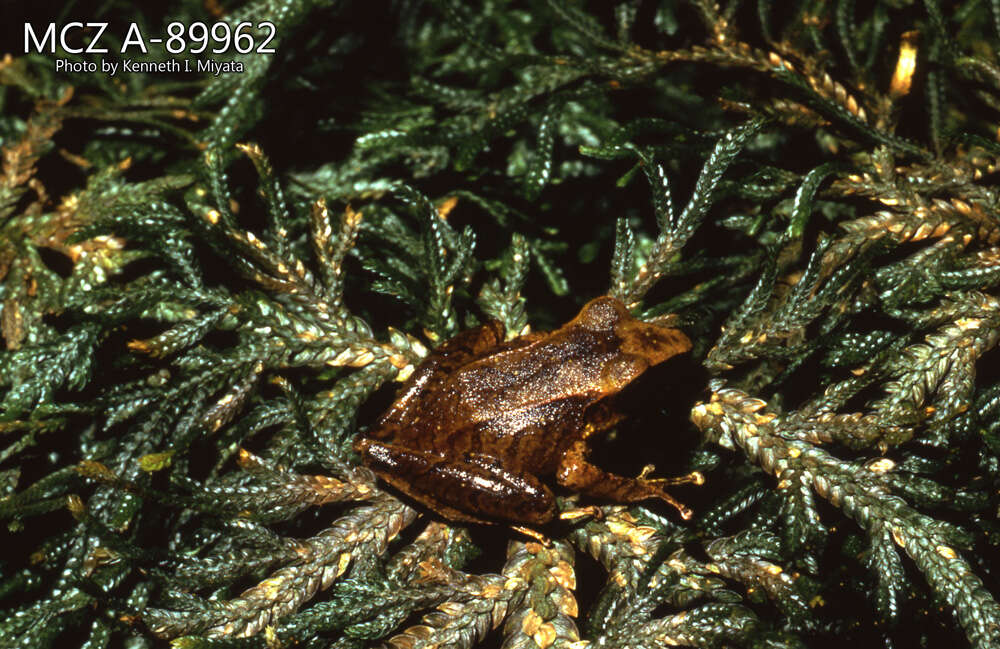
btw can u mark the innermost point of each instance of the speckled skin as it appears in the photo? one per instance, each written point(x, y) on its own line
point(480, 421)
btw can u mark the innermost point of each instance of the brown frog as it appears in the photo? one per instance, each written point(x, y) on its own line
point(481, 420)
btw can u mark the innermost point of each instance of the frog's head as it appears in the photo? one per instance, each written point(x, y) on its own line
point(652, 343)
point(639, 345)
point(649, 342)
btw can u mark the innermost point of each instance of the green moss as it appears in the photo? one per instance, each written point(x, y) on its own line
point(210, 284)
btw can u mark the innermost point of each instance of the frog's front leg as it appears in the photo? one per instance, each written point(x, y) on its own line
point(576, 473)
point(452, 488)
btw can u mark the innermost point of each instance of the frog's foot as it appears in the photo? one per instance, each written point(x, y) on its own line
point(681, 508)
point(575, 472)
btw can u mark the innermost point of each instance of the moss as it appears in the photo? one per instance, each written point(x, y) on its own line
point(209, 284)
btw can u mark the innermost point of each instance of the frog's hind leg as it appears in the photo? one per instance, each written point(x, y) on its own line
point(576, 473)
point(461, 489)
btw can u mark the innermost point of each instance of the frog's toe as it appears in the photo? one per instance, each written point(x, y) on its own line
point(582, 512)
point(695, 477)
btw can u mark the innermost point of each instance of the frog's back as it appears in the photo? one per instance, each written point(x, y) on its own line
point(531, 377)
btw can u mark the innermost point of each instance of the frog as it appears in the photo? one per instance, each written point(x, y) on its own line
point(483, 425)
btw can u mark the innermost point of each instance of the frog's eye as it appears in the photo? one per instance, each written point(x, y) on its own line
point(602, 314)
